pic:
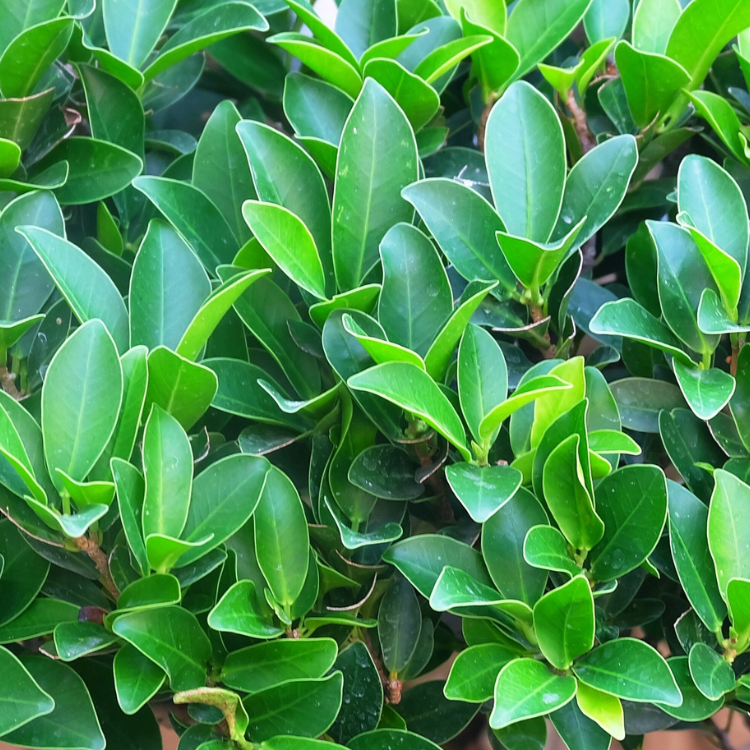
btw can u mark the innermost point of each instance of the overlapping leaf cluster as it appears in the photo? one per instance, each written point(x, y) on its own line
point(335, 355)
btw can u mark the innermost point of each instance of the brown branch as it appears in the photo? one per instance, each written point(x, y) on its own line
point(579, 121)
point(92, 549)
point(8, 383)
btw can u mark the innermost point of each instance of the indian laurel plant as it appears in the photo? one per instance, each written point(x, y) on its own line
point(373, 375)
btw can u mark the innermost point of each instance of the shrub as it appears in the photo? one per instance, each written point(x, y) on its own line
point(328, 356)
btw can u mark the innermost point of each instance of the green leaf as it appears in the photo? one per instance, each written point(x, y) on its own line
point(596, 187)
point(604, 19)
point(241, 394)
point(526, 393)
point(97, 169)
point(421, 560)
point(77, 639)
point(552, 405)
point(266, 310)
point(440, 353)
point(399, 624)
point(626, 317)
point(137, 678)
point(695, 706)
point(640, 401)
point(352, 539)
point(473, 673)
point(712, 674)
point(72, 723)
point(167, 288)
point(720, 220)
point(564, 622)
point(39, 619)
point(536, 27)
point(285, 175)
point(489, 14)
point(702, 31)
point(264, 665)
point(85, 286)
point(81, 399)
point(223, 497)
point(525, 688)
point(115, 111)
point(482, 490)
point(315, 108)
point(503, 536)
point(738, 599)
point(288, 241)
point(706, 391)
point(632, 502)
point(132, 32)
point(213, 310)
point(20, 118)
point(24, 287)
point(534, 263)
point(429, 714)
point(220, 168)
point(464, 225)
point(629, 669)
point(135, 382)
point(281, 537)
point(305, 708)
point(604, 709)
point(578, 731)
point(545, 547)
point(168, 470)
point(740, 403)
point(444, 58)
point(653, 21)
point(413, 278)
point(567, 495)
point(683, 276)
point(18, 18)
point(23, 572)
point(22, 700)
point(328, 64)
point(362, 23)
point(194, 216)
point(182, 388)
point(365, 181)
point(362, 682)
point(525, 154)
point(412, 389)
point(688, 519)
point(728, 534)
point(153, 591)
point(237, 612)
point(419, 101)
point(27, 58)
point(213, 25)
point(172, 638)
point(479, 393)
point(651, 81)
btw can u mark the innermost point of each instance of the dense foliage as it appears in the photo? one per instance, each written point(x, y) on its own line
point(327, 355)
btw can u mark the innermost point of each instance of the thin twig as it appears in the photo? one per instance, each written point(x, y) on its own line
point(92, 549)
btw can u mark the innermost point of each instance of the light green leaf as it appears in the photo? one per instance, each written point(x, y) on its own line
point(367, 196)
point(86, 287)
point(526, 688)
point(706, 391)
point(525, 154)
point(564, 622)
point(81, 399)
point(281, 538)
point(172, 638)
point(412, 389)
point(728, 534)
point(653, 22)
point(237, 612)
point(482, 490)
point(167, 288)
point(629, 669)
point(132, 32)
point(168, 471)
